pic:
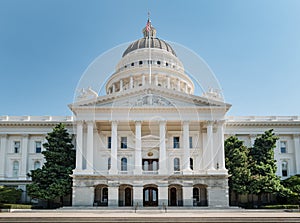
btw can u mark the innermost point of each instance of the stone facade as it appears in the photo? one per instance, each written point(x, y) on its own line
point(149, 141)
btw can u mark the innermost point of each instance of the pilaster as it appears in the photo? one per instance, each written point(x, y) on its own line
point(163, 193)
point(113, 194)
point(296, 138)
point(187, 193)
point(24, 161)
point(186, 148)
point(138, 194)
point(3, 144)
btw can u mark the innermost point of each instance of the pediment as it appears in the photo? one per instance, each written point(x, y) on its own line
point(149, 98)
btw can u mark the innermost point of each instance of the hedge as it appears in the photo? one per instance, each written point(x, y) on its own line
point(15, 206)
point(281, 206)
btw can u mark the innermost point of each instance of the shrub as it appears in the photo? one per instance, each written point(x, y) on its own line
point(9, 194)
point(281, 206)
point(15, 206)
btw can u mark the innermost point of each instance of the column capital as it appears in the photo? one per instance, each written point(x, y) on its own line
point(210, 122)
point(115, 122)
point(25, 135)
point(3, 135)
point(90, 122)
point(162, 122)
point(78, 122)
point(138, 122)
point(295, 136)
point(221, 122)
point(185, 122)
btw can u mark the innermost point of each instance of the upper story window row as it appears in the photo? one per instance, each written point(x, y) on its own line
point(17, 147)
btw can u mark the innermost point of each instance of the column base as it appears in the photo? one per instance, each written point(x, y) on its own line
point(113, 172)
point(217, 172)
point(187, 172)
point(162, 171)
point(83, 172)
point(137, 172)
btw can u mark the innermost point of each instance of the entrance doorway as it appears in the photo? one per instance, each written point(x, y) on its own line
point(173, 197)
point(150, 196)
point(128, 196)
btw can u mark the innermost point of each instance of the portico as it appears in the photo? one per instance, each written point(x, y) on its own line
point(150, 141)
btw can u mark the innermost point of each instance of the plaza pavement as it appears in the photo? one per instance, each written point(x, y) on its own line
point(149, 215)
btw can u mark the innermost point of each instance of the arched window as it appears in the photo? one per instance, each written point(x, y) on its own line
point(15, 168)
point(191, 163)
point(37, 165)
point(108, 163)
point(176, 164)
point(284, 168)
point(146, 165)
point(124, 164)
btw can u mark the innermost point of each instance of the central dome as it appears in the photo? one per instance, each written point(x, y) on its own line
point(144, 43)
point(149, 62)
point(153, 41)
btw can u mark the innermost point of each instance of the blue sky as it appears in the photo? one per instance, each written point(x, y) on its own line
point(253, 47)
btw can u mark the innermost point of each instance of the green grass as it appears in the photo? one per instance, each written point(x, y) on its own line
point(15, 206)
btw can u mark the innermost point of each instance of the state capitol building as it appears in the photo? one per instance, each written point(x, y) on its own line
point(149, 141)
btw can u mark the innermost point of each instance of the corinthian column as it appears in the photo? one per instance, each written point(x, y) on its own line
point(114, 148)
point(79, 145)
point(138, 149)
point(90, 146)
point(162, 148)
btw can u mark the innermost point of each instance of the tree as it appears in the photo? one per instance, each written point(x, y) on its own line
point(9, 194)
point(53, 179)
point(263, 166)
point(293, 184)
point(237, 163)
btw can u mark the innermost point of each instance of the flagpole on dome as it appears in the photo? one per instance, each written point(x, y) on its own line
point(148, 29)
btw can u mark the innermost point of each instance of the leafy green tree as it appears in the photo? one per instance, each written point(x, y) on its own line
point(9, 195)
point(53, 179)
point(293, 184)
point(263, 166)
point(237, 163)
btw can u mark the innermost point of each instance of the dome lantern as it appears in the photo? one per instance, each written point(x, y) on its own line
point(149, 30)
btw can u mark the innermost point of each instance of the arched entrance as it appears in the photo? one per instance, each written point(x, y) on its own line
point(175, 195)
point(150, 196)
point(101, 195)
point(200, 195)
point(125, 195)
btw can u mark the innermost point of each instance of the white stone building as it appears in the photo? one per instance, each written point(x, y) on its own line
point(149, 141)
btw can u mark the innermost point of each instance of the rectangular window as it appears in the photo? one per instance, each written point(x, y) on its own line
point(109, 142)
point(176, 144)
point(17, 146)
point(124, 142)
point(191, 142)
point(283, 146)
point(38, 147)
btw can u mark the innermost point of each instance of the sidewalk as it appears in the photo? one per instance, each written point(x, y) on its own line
point(127, 215)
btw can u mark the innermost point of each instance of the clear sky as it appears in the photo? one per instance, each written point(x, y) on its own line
point(253, 47)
